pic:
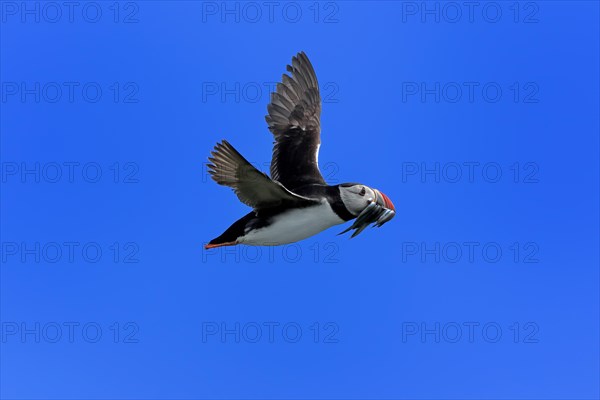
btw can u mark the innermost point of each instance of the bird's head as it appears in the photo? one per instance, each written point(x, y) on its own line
point(367, 204)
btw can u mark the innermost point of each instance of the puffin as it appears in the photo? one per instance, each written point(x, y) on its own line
point(295, 202)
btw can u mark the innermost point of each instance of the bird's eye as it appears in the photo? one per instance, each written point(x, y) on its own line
point(362, 191)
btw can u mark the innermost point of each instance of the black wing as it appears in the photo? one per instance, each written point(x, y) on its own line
point(294, 119)
point(229, 168)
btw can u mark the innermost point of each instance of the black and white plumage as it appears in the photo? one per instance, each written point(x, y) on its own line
point(295, 202)
point(294, 119)
point(254, 188)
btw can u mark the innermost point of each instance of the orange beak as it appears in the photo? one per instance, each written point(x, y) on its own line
point(384, 201)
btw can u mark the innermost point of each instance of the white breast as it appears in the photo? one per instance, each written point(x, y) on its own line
point(293, 225)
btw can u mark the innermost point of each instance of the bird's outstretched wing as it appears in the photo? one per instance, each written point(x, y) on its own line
point(294, 119)
point(254, 188)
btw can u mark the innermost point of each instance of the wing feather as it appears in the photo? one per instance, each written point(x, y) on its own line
point(294, 119)
point(229, 168)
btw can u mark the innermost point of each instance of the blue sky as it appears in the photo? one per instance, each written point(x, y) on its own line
point(479, 122)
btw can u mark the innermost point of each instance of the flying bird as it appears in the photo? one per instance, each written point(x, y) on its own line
point(295, 202)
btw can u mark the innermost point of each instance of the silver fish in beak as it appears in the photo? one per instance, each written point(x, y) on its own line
point(378, 212)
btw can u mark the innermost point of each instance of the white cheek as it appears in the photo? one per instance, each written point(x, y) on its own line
point(359, 205)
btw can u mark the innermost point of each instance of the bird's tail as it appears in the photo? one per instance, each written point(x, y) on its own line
point(232, 234)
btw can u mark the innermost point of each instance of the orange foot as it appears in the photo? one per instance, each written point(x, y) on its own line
point(212, 246)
